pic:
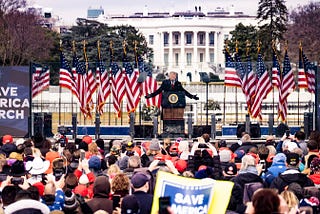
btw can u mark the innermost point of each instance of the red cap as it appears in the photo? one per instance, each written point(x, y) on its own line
point(181, 165)
point(87, 139)
point(7, 139)
point(40, 187)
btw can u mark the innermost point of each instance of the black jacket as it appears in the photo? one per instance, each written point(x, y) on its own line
point(166, 86)
point(236, 200)
point(285, 179)
point(144, 202)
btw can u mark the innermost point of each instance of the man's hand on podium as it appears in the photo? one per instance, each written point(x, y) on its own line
point(195, 97)
point(147, 96)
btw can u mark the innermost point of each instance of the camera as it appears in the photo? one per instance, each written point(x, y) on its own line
point(162, 163)
point(263, 163)
point(287, 133)
point(17, 180)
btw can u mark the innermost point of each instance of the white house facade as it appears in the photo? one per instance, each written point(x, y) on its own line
point(186, 42)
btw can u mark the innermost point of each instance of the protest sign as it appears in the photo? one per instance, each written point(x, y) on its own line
point(14, 100)
point(190, 195)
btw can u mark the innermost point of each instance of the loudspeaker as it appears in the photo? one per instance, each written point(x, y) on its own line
point(198, 131)
point(47, 125)
point(143, 131)
point(37, 123)
point(255, 131)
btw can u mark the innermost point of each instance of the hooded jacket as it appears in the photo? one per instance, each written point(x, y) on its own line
point(278, 166)
point(101, 190)
point(236, 200)
point(291, 176)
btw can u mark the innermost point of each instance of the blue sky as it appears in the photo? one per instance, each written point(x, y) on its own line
point(69, 10)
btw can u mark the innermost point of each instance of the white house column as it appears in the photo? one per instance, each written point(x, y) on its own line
point(182, 51)
point(195, 50)
point(170, 58)
point(160, 38)
point(216, 47)
point(207, 59)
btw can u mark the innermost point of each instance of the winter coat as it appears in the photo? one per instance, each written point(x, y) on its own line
point(316, 179)
point(291, 176)
point(101, 190)
point(54, 202)
point(236, 200)
point(277, 167)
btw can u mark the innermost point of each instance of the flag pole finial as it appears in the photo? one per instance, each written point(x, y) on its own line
point(237, 46)
point(73, 46)
point(60, 44)
point(85, 53)
point(124, 45)
point(248, 45)
point(259, 46)
point(99, 50)
point(226, 43)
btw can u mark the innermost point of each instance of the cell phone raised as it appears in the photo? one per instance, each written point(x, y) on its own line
point(164, 203)
point(116, 201)
point(82, 155)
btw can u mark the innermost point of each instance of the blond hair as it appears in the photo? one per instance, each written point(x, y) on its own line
point(290, 198)
point(247, 161)
point(113, 169)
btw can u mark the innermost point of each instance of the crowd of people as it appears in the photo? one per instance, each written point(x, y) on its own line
point(38, 175)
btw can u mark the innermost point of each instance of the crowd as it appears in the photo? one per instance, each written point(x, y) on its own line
point(42, 176)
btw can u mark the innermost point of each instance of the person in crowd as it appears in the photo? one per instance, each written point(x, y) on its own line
point(184, 150)
point(291, 175)
point(300, 137)
point(36, 169)
point(249, 173)
point(113, 170)
point(120, 185)
point(291, 200)
point(313, 149)
point(236, 145)
point(153, 150)
point(264, 201)
point(53, 195)
point(278, 166)
point(85, 178)
point(315, 171)
point(245, 146)
point(166, 146)
point(270, 144)
point(101, 191)
point(229, 171)
point(71, 204)
point(140, 184)
point(134, 162)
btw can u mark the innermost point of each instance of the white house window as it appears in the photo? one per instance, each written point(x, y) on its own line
point(189, 59)
point(151, 39)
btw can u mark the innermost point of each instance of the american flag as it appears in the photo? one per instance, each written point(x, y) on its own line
point(263, 87)
point(149, 86)
point(81, 80)
point(249, 84)
point(132, 86)
point(310, 72)
point(302, 79)
point(104, 89)
point(66, 77)
point(242, 74)
point(40, 79)
point(118, 87)
point(231, 77)
point(275, 71)
point(92, 86)
point(287, 85)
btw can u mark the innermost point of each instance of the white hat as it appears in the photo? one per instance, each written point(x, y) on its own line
point(83, 179)
point(37, 166)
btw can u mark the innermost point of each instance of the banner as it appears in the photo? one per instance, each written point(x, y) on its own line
point(14, 100)
point(190, 195)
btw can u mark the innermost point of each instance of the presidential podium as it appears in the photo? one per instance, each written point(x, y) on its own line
point(173, 104)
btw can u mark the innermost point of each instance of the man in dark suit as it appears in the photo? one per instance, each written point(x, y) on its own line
point(171, 84)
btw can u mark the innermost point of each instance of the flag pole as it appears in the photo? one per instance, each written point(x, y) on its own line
point(273, 47)
point(236, 94)
point(59, 114)
point(86, 61)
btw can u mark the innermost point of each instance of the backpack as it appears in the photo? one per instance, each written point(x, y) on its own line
point(249, 190)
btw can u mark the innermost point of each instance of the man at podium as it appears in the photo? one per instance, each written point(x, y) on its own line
point(171, 85)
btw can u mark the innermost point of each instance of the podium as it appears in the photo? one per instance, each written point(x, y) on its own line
point(173, 104)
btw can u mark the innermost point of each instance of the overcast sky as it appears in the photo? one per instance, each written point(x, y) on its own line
point(69, 10)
